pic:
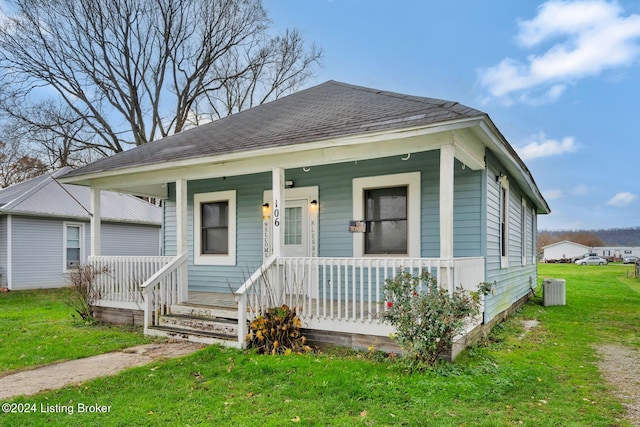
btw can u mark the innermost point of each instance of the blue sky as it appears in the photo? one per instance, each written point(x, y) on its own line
point(560, 79)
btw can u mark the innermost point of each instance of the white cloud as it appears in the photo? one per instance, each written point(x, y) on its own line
point(586, 36)
point(553, 194)
point(541, 146)
point(622, 199)
point(580, 190)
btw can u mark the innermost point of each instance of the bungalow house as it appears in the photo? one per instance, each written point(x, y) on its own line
point(44, 230)
point(316, 198)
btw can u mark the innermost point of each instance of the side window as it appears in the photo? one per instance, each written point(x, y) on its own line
point(214, 228)
point(504, 222)
point(73, 236)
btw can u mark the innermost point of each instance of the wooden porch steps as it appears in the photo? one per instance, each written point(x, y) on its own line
point(200, 323)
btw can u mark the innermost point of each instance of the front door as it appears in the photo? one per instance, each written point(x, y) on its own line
point(296, 228)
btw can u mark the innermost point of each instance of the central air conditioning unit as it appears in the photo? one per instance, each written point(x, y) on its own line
point(554, 292)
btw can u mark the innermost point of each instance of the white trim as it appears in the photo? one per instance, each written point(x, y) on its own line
point(95, 222)
point(412, 181)
point(209, 259)
point(9, 252)
point(65, 225)
point(309, 194)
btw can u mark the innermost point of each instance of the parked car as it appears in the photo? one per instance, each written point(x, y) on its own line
point(630, 259)
point(592, 260)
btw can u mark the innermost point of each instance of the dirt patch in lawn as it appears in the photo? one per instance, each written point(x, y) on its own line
point(620, 367)
point(59, 375)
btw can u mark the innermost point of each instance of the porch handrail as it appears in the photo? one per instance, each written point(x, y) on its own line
point(241, 297)
point(161, 290)
point(120, 285)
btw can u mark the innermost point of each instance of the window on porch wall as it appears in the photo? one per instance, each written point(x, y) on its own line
point(214, 231)
point(386, 218)
point(215, 228)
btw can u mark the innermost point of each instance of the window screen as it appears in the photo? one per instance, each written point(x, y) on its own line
point(386, 218)
point(215, 228)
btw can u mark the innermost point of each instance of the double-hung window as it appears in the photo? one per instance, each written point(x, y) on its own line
point(386, 219)
point(215, 228)
point(390, 207)
point(72, 245)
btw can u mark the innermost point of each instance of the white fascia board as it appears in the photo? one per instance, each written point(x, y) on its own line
point(516, 167)
point(356, 147)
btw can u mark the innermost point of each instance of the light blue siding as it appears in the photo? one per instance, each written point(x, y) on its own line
point(129, 240)
point(335, 211)
point(37, 248)
point(36, 253)
point(514, 281)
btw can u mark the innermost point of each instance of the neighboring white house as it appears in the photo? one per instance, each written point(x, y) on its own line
point(617, 252)
point(44, 230)
point(564, 250)
point(567, 250)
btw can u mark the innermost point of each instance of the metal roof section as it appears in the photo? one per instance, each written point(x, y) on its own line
point(45, 196)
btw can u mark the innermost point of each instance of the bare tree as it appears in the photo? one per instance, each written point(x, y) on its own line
point(16, 162)
point(117, 72)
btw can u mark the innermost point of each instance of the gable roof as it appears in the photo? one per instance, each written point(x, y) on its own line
point(566, 242)
point(45, 196)
point(330, 113)
point(329, 110)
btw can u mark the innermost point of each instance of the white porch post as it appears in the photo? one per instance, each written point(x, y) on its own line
point(182, 239)
point(446, 214)
point(277, 220)
point(95, 222)
point(277, 211)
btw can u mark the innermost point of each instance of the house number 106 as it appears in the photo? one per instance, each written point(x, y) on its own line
point(276, 214)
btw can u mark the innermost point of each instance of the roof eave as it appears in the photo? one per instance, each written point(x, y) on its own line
point(349, 140)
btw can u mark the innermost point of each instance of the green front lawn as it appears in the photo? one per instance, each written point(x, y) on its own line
point(546, 377)
point(38, 328)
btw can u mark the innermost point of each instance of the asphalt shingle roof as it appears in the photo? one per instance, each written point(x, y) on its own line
point(329, 110)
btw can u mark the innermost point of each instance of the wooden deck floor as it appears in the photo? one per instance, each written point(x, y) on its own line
point(215, 299)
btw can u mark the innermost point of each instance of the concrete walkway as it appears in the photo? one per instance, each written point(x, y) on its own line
point(77, 371)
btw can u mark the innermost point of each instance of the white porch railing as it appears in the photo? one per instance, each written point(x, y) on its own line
point(343, 294)
point(119, 286)
point(162, 290)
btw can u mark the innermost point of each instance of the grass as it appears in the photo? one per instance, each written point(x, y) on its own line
point(548, 376)
point(38, 328)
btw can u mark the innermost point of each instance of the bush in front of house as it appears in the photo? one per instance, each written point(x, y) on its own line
point(426, 318)
point(84, 293)
point(277, 330)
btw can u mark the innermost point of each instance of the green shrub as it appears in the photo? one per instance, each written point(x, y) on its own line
point(426, 317)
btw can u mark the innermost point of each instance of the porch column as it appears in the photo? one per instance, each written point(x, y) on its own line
point(277, 211)
point(182, 239)
point(95, 221)
point(446, 213)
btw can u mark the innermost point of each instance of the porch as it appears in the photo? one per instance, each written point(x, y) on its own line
point(335, 295)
